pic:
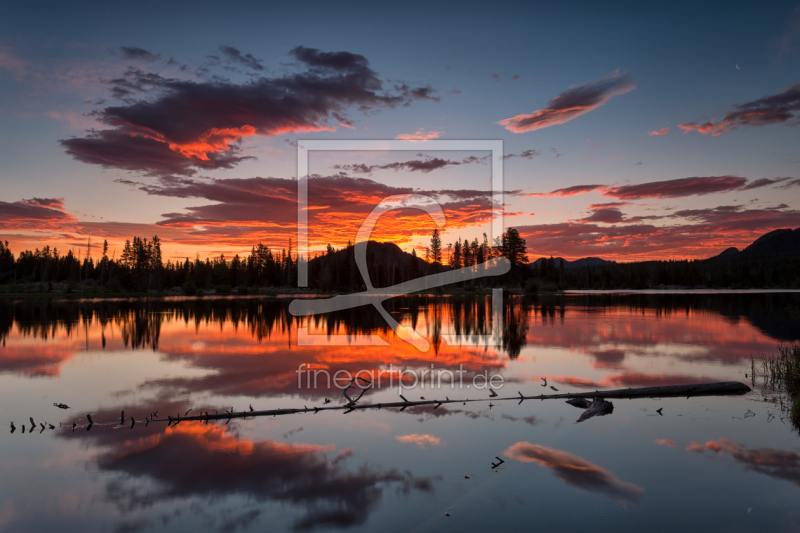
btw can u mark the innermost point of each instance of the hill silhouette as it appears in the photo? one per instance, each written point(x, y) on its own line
point(780, 241)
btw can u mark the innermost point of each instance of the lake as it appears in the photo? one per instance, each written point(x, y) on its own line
point(701, 463)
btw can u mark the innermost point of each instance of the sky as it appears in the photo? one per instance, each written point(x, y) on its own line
point(632, 133)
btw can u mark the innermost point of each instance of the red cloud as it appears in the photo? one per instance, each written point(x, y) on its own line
point(36, 214)
point(576, 471)
point(713, 228)
point(658, 133)
point(780, 108)
point(669, 443)
point(181, 125)
point(571, 104)
point(677, 188)
point(245, 209)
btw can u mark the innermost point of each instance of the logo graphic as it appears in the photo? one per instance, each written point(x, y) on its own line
point(376, 296)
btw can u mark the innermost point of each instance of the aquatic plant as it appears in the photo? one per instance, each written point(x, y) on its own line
point(781, 371)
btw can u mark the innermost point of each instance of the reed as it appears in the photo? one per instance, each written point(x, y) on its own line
point(781, 371)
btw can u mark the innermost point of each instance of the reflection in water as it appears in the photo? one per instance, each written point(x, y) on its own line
point(172, 355)
point(781, 464)
point(193, 459)
point(249, 344)
point(576, 471)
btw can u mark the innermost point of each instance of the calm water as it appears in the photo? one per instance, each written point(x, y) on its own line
point(706, 464)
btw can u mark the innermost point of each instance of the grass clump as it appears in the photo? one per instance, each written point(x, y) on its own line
point(782, 371)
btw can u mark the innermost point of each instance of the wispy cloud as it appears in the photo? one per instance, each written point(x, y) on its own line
point(420, 135)
point(136, 53)
point(777, 109)
point(235, 55)
point(658, 133)
point(571, 104)
point(675, 188)
point(527, 154)
point(424, 165)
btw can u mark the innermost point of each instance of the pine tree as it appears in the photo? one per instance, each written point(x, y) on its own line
point(436, 247)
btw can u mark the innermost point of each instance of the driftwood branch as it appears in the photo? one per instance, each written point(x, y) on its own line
point(727, 388)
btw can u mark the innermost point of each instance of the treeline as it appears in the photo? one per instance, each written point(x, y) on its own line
point(141, 268)
point(757, 271)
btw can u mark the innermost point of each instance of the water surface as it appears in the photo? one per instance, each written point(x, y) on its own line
point(708, 463)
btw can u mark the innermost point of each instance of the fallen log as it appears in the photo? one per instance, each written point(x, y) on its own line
point(599, 407)
point(727, 388)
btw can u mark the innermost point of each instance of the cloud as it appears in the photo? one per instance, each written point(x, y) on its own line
point(50, 203)
point(698, 231)
point(777, 109)
point(793, 183)
point(658, 133)
point(571, 104)
point(610, 213)
point(420, 440)
point(115, 149)
point(12, 63)
point(576, 472)
point(415, 165)
point(780, 464)
point(136, 53)
point(420, 135)
point(172, 126)
point(763, 182)
point(669, 443)
point(568, 191)
point(527, 154)
point(675, 188)
point(36, 214)
point(243, 210)
point(236, 56)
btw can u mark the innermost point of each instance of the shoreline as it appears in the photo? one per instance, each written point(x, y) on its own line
point(76, 296)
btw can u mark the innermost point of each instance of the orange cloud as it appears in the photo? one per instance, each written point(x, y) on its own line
point(420, 135)
point(669, 443)
point(658, 133)
point(420, 440)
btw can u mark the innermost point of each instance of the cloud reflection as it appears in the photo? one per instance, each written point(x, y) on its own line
point(576, 472)
point(197, 460)
point(781, 464)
